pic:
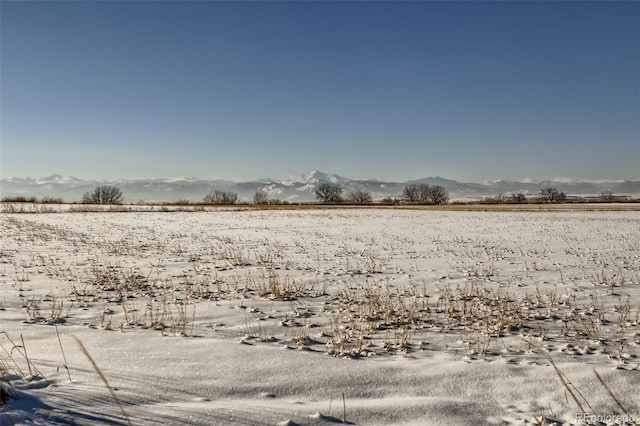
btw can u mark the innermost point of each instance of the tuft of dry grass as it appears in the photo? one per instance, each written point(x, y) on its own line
point(12, 360)
point(86, 353)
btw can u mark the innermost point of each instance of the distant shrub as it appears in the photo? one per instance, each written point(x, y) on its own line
point(607, 196)
point(390, 201)
point(51, 200)
point(488, 200)
point(515, 198)
point(19, 199)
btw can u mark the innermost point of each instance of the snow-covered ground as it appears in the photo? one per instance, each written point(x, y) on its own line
point(313, 317)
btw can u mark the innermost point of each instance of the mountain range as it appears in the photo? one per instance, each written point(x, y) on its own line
point(294, 189)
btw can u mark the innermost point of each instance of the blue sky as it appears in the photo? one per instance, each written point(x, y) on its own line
point(470, 91)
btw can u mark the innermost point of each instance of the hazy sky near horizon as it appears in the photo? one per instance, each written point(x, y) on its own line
point(470, 91)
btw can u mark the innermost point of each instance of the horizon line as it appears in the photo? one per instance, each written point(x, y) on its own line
point(555, 179)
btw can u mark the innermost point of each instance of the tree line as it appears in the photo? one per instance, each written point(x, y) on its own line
point(328, 193)
point(416, 193)
point(331, 193)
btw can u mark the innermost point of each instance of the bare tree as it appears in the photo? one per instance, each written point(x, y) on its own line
point(360, 196)
point(551, 195)
point(105, 194)
point(260, 197)
point(220, 197)
point(412, 193)
point(329, 193)
point(437, 194)
point(500, 198)
point(390, 201)
point(421, 193)
point(518, 198)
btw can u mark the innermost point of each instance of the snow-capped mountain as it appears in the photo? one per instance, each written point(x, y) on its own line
point(59, 180)
point(311, 180)
point(294, 189)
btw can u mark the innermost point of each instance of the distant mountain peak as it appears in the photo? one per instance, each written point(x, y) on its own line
point(314, 177)
point(564, 180)
point(59, 179)
point(178, 179)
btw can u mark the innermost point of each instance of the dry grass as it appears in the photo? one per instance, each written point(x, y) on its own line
point(35, 207)
point(360, 314)
point(15, 365)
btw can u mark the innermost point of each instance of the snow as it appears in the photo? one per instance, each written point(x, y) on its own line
point(563, 179)
point(312, 179)
point(569, 180)
point(60, 180)
point(231, 352)
point(177, 179)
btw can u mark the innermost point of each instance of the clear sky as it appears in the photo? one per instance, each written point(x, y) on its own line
point(470, 91)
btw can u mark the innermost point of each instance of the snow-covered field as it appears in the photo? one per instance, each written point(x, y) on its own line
point(312, 317)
